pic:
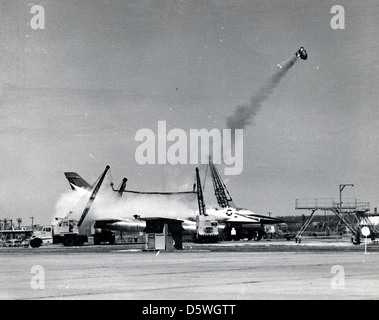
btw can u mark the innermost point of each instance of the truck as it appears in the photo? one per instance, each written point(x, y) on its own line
point(206, 229)
point(69, 231)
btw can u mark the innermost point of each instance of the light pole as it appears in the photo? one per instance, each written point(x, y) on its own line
point(342, 186)
point(32, 223)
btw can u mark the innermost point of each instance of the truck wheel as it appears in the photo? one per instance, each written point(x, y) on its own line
point(79, 241)
point(250, 235)
point(35, 243)
point(112, 240)
point(236, 237)
point(69, 242)
point(257, 236)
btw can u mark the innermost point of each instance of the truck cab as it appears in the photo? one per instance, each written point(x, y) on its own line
point(41, 236)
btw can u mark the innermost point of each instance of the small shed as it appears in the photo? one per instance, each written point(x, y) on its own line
point(163, 234)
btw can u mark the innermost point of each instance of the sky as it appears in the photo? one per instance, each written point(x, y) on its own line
point(74, 95)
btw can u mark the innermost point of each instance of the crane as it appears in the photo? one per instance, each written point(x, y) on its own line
point(206, 225)
point(69, 236)
point(64, 230)
point(223, 197)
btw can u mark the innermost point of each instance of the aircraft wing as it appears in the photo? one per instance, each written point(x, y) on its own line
point(243, 219)
point(111, 220)
point(265, 219)
point(234, 214)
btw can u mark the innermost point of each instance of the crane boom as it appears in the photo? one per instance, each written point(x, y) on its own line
point(122, 187)
point(200, 197)
point(92, 197)
point(223, 197)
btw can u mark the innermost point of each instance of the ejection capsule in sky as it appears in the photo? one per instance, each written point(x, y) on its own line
point(302, 53)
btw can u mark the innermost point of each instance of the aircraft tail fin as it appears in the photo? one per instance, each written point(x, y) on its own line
point(76, 180)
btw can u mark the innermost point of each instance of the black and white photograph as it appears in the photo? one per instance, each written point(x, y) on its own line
point(189, 156)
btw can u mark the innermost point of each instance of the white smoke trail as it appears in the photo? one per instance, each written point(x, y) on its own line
point(243, 115)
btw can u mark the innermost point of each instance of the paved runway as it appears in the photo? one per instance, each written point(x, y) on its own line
point(121, 273)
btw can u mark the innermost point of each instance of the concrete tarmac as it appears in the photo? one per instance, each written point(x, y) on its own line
point(123, 273)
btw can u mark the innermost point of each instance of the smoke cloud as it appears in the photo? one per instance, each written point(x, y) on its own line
point(243, 115)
